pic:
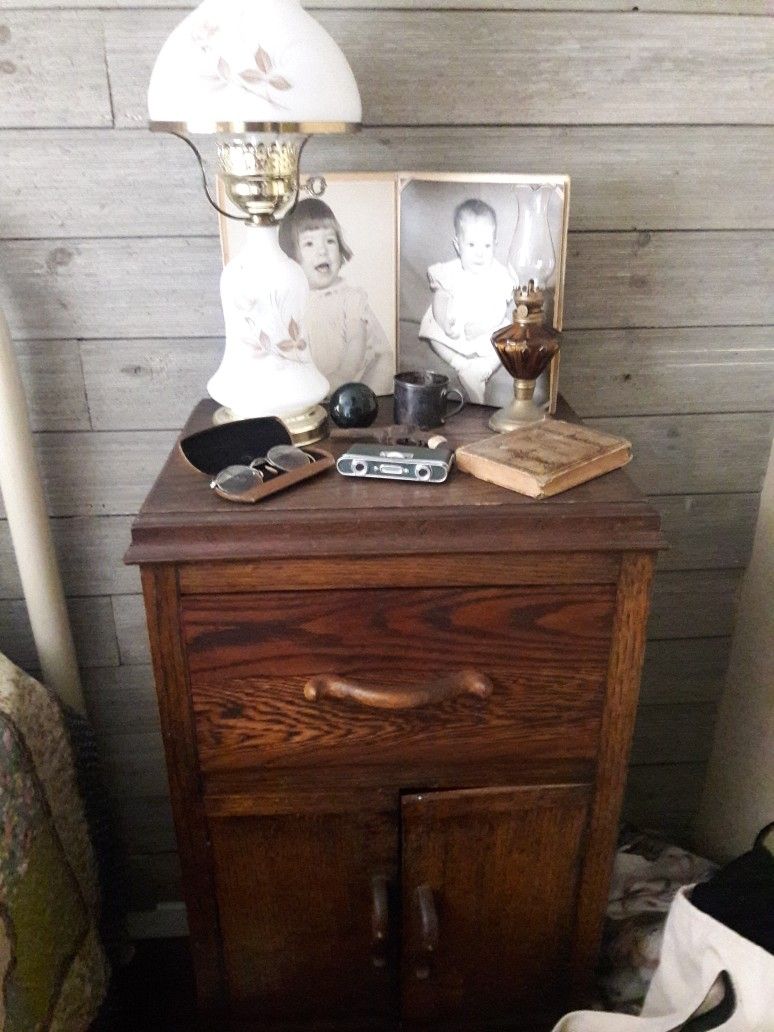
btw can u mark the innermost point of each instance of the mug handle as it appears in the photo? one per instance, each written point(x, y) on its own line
point(460, 403)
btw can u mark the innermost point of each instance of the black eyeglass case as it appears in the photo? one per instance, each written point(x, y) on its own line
point(238, 443)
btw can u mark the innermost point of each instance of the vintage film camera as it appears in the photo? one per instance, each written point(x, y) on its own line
point(420, 465)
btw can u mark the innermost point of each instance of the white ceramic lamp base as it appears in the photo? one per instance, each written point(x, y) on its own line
point(267, 368)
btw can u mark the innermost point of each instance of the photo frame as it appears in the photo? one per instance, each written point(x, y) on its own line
point(512, 226)
point(397, 227)
point(348, 229)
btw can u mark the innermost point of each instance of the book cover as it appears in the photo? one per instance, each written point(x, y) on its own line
point(544, 458)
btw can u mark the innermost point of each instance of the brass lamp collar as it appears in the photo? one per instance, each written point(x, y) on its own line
point(242, 128)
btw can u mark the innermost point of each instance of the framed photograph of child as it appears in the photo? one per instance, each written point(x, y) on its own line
point(465, 243)
point(344, 238)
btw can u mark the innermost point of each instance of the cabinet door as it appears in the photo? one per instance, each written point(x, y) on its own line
point(489, 887)
point(304, 914)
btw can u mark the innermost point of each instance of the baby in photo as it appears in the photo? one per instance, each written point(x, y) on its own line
point(344, 335)
point(471, 298)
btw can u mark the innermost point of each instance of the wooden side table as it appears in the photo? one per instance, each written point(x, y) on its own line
point(397, 721)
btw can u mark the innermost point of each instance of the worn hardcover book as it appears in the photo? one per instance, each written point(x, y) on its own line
point(545, 458)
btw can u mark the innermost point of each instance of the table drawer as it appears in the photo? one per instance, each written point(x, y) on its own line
point(295, 679)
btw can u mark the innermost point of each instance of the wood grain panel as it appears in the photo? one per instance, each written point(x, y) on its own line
point(694, 604)
point(491, 861)
point(403, 571)
point(250, 655)
point(684, 670)
point(707, 531)
point(622, 684)
point(580, 56)
point(623, 177)
point(100, 474)
point(89, 552)
point(312, 884)
point(697, 454)
point(53, 85)
point(92, 623)
point(90, 288)
point(53, 381)
point(653, 372)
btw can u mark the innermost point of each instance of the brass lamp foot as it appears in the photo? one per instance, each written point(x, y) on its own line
point(305, 427)
point(520, 412)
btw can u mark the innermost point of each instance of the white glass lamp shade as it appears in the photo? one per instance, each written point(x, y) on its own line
point(237, 65)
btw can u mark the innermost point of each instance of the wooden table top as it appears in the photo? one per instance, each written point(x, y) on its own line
point(183, 520)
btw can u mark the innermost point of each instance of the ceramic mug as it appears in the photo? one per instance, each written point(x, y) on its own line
point(421, 399)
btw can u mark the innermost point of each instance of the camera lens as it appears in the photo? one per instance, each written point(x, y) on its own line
point(360, 467)
point(423, 472)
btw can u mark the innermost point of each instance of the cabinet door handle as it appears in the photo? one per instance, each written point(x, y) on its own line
point(380, 919)
point(447, 686)
point(428, 930)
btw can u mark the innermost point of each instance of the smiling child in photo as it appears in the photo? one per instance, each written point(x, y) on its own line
point(345, 337)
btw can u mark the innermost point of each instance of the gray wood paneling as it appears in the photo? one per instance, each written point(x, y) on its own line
point(111, 288)
point(670, 733)
point(53, 85)
point(100, 474)
point(115, 288)
point(90, 551)
point(133, 764)
point(135, 384)
point(687, 370)
point(121, 699)
point(153, 383)
point(93, 631)
point(672, 455)
point(145, 824)
point(53, 382)
point(698, 454)
point(623, 177)
point(706, 531)
point(152, 879)
point(664, 798)
point(694, 604)
point(589, 68)
point(142, 184)
point(131, 629)
point(730, 7)
point(684, 670)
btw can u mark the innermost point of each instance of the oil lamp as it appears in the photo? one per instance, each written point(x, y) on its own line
point(525, 349)
point(258, 79)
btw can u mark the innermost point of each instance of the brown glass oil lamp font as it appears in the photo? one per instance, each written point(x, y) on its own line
point(525, 349)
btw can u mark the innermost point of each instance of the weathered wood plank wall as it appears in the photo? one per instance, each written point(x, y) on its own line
point(659, 111)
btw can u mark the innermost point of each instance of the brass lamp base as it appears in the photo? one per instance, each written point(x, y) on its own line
point(305, 427)
point(520, 412)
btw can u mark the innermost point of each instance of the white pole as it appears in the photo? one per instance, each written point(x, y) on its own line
point(31, 534)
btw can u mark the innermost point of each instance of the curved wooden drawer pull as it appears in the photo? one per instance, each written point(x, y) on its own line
point(447, 686)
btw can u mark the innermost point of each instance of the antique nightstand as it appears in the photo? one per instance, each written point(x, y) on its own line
point(397, 720)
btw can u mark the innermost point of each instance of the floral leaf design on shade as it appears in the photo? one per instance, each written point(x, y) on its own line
point(222, 76)
point(204, 35)
point(264, 78)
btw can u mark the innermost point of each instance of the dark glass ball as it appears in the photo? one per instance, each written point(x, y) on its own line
point(353, 405)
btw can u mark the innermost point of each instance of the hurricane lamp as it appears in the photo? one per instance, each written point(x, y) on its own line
point(257, 79)
point(524, 348)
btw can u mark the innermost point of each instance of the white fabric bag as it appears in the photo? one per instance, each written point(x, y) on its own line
point(695, 950)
